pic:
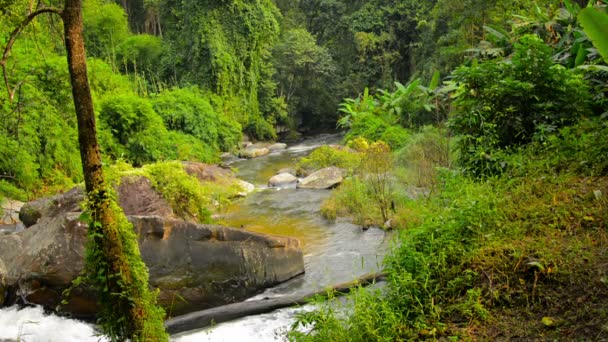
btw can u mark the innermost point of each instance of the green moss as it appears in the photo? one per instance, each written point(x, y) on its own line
point(114, 267)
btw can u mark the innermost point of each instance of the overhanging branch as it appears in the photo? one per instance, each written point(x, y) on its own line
point(13, 38)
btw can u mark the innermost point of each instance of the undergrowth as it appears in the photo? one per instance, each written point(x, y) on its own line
point(518, 256)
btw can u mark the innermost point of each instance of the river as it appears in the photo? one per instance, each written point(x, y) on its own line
point(333, 253)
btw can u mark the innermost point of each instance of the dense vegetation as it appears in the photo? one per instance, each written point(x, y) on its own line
point(501, 205)
point(477, 128)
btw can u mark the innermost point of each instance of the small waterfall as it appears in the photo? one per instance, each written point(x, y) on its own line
point(31, 324)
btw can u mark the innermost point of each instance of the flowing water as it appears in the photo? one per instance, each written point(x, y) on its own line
point(333, 253)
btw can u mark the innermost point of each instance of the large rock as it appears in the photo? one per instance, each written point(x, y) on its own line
point(277, 147)
point(136, 196)
point(206, 172)
point(195, 266)
point(282, 180)
point(209, 265)
point(253, 151)
point(51, 206)
point(217, 174)
point(326, 178)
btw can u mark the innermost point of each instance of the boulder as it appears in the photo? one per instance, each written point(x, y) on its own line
point(195, 266)
point(326, 178)
point(135, 193)
point(289, 170)
point(246, 187)
point(253, 151)
point(282, 180)
point(136, 196)
point(207, 173)
point(31, 212)
point(210, 265)
point(277, 147)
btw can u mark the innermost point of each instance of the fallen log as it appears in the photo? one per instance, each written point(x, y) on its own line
point(224, 313)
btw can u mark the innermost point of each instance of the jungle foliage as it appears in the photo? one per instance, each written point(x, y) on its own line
point(501, 207)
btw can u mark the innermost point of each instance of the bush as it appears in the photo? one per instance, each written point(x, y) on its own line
point(189, 111)
point(137, 127)
point(326, 156)
point(260, 129)
point(502, 104)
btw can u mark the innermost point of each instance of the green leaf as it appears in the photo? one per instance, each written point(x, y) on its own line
point(548, 321)
point(435, 80)
point(595, 25)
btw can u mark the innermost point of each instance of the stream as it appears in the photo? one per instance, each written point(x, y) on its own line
point(333, 253)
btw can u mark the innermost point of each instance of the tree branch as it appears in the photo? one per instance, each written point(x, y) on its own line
point(13, 38)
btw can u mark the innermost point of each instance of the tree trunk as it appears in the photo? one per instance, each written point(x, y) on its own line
point(225, 313)
point(124, 280)
point(83, 102)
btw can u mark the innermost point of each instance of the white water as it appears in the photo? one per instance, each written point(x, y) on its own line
point(32, 325)
point(266, 327)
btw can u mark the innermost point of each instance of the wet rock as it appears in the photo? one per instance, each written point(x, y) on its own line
point(211, 265)
point(205, 265)
point(277, 147)
point(326, 178)
point(282, 180)
point(289, 170)
point(253, 152)
point(246, 187)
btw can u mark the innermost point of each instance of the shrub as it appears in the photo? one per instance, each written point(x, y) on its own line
point(189, 111)
point(326, 156)
point(136, 126)
point(502, 104)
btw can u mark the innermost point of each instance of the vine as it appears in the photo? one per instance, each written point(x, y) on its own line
point(114, 246)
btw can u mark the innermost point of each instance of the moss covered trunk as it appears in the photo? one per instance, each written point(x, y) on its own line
point(113, 261)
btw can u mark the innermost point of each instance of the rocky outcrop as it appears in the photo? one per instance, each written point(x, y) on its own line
point(208, 265)
point(195, 266)
point(326, 178)
point(282, 180)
